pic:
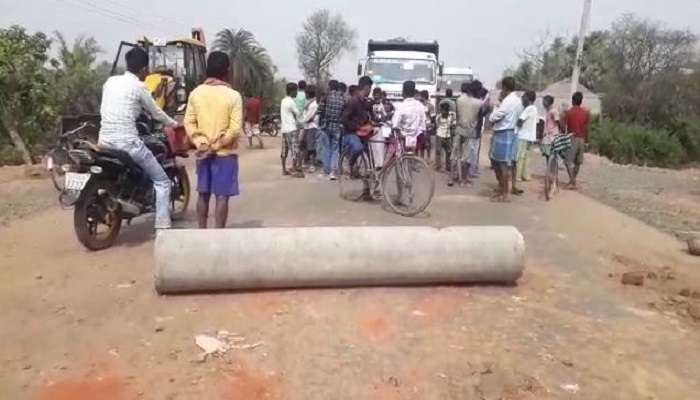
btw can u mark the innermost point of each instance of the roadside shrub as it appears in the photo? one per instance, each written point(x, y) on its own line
point(688, 133)
point(634, 144)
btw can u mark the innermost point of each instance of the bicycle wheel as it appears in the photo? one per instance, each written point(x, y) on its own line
point(408, 185)
point(551, 177)
point(353, 179)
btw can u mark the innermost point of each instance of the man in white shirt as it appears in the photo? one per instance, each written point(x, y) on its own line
point(290, 116)
point(504, 145)
point(310, 119)
point(124, 98)
point(527, 134)
point(409, 116)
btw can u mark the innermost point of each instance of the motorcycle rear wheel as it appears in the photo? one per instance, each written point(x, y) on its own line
point(180, 194)
point(92, 210)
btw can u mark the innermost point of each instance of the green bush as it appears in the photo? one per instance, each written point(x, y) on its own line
point(688, 133)
point(634, 144)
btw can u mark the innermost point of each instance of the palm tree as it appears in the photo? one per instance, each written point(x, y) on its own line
point(78, 82)
point(252, 69)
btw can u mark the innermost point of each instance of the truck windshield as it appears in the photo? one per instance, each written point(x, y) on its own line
point(386, 70)
point(455, 82)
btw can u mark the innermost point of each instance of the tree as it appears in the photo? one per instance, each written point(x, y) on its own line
point(26, 103)
point(252, 69)
point(323, 39)
point(642, 48)
point(78, 82)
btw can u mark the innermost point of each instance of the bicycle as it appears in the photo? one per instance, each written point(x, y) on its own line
point(405, 183)
point(557, 149)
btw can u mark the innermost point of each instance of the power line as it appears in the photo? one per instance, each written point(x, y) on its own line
point(170, 20)
point(91, 7)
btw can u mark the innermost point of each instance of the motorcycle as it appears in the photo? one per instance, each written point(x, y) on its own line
point(108, 187)
point(270, 124)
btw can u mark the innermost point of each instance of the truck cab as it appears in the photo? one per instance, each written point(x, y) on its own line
point(453, 78)
point(391, 63)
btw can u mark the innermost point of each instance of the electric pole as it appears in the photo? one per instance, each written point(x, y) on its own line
point(585, 17)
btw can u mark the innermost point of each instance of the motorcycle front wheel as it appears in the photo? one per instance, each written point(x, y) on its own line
point(96, 218)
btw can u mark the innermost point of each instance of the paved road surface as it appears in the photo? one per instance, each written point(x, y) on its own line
point(80, 325)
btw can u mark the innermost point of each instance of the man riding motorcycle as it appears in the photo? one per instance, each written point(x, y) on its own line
point(124, 98)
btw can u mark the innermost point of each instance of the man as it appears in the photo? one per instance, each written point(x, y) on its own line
point(482, 94)
point(577, 123)
point(310, 121)
point(343, 88)
point(424, 139)
point(300, 98)
point(356, 119)
point(290, 116)
point(213, 123)
point(448, 99)
point(504, 144)
point(409, 116)
point(527, 134)
point(332, 122)
point(124, 97)
point(465, 145)
point(253, 111)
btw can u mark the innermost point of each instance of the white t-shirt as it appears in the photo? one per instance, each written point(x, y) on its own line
point(289, 114)
point(529, 117)
point(505, 116)
point(311, 115)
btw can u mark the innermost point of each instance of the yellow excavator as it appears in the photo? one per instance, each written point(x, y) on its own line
point(177, 67)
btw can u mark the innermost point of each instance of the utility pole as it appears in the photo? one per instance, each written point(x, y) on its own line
point(585, 17)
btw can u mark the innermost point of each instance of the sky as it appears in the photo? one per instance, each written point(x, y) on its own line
point(484, 35)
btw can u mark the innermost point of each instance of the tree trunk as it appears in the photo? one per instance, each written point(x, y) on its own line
point(17, 141)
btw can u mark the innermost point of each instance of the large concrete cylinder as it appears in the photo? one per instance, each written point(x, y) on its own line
point(215, 260)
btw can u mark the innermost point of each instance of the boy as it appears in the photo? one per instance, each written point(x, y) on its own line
point(577, 122)
point(527, 134)
point(213, 122)
point(446, 122)
point(409, 116)
point(290, 116)
point(310, 121)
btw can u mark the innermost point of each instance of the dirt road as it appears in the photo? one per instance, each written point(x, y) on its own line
point(79, 325)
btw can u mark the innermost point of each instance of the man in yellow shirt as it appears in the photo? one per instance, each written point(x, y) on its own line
point(214, 123)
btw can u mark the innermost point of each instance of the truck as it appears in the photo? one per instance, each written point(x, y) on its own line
point(453, 78)
point(391, 63)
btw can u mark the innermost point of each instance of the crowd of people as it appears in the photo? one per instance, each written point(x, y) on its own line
point(315, 129)
point(450, 135)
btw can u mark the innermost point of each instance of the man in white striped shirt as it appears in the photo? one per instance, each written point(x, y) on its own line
point(124, 98)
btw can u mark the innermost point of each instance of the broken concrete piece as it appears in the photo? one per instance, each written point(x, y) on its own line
point(210, 344)
point(633, 278)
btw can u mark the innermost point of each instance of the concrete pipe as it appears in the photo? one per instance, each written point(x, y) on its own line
point(216, 260)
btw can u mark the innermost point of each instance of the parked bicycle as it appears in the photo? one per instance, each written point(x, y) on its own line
point(405, 183)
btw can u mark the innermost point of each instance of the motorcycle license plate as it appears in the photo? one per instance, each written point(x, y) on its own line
point(76, 181)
